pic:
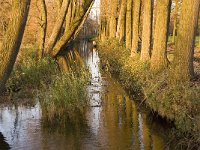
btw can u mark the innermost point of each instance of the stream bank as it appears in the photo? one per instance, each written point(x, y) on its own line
point(178, 103)
point(113, 121)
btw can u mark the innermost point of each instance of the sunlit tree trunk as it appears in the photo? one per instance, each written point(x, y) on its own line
point(69, 17)
point(175, 20)
point(58, 26)
point(121, 21)
point(73, 28)
point(147, 30)
point(184, 48)
point(43, 25)
point(136, 23)
point(129, 24)
point(159, 54)
point(12, 39)
point(82, 22)
point(113, 20)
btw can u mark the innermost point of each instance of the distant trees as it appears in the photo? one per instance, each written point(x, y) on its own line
point(151, 42)
point(12, 40)
point(70, 17)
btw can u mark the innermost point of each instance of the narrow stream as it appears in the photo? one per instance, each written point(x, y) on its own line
point(113, 121)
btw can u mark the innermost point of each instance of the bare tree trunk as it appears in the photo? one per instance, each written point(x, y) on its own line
point(121, 22)
point(147, 30)
point(82, 22)
point(12, 39)
point(136, 23)
point(184, 48)
point(57, 27)
point(159, 54)
point(68, 17)
point(113, 16)
point(129, 24)
point(175, 20)
point(43, 25)
point(73, 28)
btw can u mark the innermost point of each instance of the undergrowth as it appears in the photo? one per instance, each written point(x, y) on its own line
point(176, 102)
point(61, 94)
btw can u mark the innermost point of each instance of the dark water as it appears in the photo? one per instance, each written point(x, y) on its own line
point(113, 122)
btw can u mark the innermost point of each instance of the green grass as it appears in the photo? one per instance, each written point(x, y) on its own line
point(60, 94)
point(176, 102)
point(196, 40)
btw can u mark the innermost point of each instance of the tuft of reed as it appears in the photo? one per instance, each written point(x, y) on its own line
point(60, 93)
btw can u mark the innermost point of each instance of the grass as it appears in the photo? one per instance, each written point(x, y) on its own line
point(61, 94)
point(196, 40)
point(176, 102)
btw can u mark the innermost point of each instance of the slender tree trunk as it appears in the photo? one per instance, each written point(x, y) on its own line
point(136, 23)
point(12, 39)
point(121, 22)
point(58, 26)
point(43, 26)
point(175, 20)
point(73, 28)
point(82, 22)
point(129, 24)
point(184, 48)
point(68, 17)
point(159, 54)
point(113, 20)
point(147, 30)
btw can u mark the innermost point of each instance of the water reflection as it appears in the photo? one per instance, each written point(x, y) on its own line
point(113, 121)
point(3, 144)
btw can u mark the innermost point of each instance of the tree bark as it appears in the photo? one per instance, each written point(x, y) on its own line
point(184, 48)
point(73, 28)
point(136, 23)
point(129, 24)
point(58, 26)
point(113, 16)
point(147, 30)
point(68, 17)
point(159, 54)
point(12, 39)
point(43, 25)
point(121, 22)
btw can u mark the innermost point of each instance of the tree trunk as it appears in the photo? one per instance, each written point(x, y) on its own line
point(73, 28)
point(82, 22)
point(121, 22)
point(136, 23)
point(58, 26)
point(43, 25)
point(159, 54)
point(129, 24)
point(12, 39)
point(69, 17)
point(175, 21)
point(147, 30)
point(184, 48)
point(113, 20)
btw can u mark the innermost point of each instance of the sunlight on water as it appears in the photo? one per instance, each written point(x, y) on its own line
point(113, 121)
